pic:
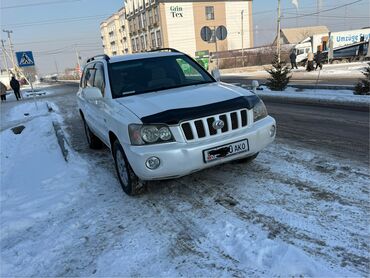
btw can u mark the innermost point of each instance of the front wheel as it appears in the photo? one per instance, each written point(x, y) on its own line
point(130, 183)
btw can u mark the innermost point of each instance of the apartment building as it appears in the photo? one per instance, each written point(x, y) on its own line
point(114, 34)
point(174, 23)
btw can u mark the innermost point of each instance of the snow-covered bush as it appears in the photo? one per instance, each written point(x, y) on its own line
point(280, 76)
point(363, 86)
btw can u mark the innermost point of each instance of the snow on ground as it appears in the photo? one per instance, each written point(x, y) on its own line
point(345, 70)
point(40, 89)
point(342, 96)
point(291, 212)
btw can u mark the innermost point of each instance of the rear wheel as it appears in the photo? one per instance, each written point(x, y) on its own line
point(130, 183)
point(93, 141)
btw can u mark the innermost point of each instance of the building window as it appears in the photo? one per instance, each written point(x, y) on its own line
point(138, 47)
point(150, 17)
point(159, 39)
point(146, 41)
point(144, 19)
point(154, 44)
point(134, 25)
point(140, 19)
point(142, 40)
point(210, 13)
point(133, 44)
point(156, 15)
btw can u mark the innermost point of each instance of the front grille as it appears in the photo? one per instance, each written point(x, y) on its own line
point(203, 128)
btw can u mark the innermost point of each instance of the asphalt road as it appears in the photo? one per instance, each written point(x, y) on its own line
point(343, 133)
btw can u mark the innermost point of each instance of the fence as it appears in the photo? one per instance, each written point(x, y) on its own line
point(252, 57)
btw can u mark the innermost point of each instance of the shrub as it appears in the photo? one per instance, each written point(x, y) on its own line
point(280, 76)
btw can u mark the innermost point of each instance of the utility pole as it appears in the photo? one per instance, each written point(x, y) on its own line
point(56, 66)
point(11, 51)
point(278, 32)
point(4, 57)
point(78, 61)
point(242, 33)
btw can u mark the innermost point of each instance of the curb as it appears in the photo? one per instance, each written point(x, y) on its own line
point(356, 106)
point(323, 86)
point(61, 139)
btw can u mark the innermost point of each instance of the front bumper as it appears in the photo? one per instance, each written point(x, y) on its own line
point(180, 159)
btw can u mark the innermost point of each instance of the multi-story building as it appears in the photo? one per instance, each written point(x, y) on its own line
point(114, 34)
point(177, 24)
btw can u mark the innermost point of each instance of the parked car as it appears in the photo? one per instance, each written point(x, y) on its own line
point(164, 116)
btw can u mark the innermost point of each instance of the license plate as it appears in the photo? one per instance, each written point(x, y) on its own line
point(225, 151)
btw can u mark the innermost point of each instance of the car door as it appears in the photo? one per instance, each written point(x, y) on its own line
point(88, 81)
point(99, 107)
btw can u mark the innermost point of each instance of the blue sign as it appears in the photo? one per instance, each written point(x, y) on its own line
point(25, 59)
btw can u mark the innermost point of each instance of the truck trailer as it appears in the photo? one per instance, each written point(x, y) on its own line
point(332, 40)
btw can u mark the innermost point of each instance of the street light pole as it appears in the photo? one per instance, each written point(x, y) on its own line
point(242, 33)
point(278, 32)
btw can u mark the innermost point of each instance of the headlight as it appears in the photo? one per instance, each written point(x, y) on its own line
point(259, 111)
point(149, 134)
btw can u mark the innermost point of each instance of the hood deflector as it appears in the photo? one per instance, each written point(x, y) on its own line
point(175, 116)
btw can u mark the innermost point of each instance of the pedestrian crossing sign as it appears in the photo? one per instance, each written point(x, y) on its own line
point(25, 59)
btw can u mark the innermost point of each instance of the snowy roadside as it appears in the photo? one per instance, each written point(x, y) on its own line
point(292, 212)
point(333, 98)
point(35, 180)
point(39, 89)
point(334, 70)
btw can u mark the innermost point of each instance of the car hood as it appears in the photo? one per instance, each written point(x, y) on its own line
point(204, 99)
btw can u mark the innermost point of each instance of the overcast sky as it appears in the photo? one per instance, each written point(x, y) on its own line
point(53, 29)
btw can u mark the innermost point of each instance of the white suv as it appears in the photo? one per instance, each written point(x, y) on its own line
point(163, 116)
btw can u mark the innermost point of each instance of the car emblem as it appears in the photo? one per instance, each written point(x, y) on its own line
point(218, 124)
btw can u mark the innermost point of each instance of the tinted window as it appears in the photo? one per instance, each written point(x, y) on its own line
point(155, 74)
point(99, 77)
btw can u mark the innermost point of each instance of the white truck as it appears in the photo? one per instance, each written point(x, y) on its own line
point(322, 41)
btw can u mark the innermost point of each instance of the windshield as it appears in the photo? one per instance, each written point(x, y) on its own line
point(155, 74)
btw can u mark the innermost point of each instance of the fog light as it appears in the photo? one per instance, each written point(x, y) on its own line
point(152, 163)
point(272, 131)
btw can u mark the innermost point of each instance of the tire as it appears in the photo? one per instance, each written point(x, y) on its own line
point(247, 159)
point(130, 183)
point(93, 141)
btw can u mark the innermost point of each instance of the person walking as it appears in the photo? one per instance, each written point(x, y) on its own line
point(14, 83)
point(2, 91)
point(318, 60)
point(293, 59)
point(310, 58)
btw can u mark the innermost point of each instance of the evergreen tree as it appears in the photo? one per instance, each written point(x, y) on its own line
point(363, 86)
point(280, 76)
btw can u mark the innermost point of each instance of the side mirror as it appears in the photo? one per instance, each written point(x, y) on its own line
point(92, 93)
point(216, 74)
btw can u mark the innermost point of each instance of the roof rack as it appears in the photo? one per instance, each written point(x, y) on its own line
point(100, 56)
point(165, 49)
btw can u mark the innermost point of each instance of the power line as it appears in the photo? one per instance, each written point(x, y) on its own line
point(322, 11)
point(39, 4)
point(339, 16)
point(56, 21)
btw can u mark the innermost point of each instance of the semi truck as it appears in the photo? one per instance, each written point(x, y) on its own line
point(332, 40)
